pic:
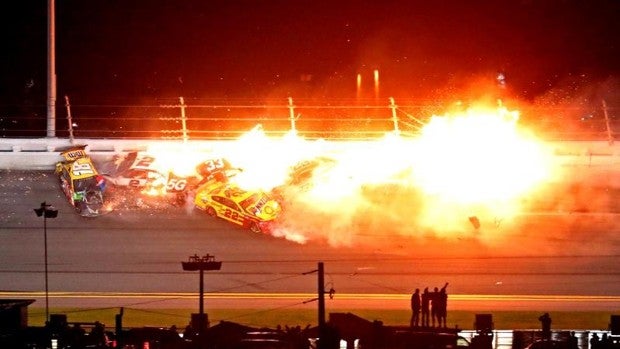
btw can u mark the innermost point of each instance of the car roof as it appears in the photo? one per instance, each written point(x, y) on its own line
point(241, 194)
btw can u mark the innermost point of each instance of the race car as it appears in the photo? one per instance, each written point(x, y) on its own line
point(255, 210)
point(301, 177)
point(80, 181)
point(138, 171)
point(217, 168)
point(133, 170)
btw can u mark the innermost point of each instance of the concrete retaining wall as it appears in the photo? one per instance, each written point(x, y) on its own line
point(43, 153)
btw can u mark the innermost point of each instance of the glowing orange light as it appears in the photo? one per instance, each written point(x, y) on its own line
point(478, 163)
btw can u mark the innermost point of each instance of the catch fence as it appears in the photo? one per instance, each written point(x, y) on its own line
point(359, 119)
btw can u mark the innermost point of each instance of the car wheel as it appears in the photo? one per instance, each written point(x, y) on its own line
point(211, 211)
point(80, 207)
point(255, 228)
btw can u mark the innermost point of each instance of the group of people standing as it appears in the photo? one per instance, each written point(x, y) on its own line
point(433, 306)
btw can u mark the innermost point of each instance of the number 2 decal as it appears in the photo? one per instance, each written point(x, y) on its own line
point(146, 161)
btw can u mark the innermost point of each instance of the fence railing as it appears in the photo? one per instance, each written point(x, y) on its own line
point(201, 119)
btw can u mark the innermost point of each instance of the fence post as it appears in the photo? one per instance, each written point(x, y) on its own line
point(69, 119)
point(291, 113)
point(394, 117)
point(183, 119)
point(610, 138)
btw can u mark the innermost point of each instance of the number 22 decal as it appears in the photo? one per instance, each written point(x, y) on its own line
point(231, 214)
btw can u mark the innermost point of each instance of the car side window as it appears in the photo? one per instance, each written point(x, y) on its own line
point(226, 202)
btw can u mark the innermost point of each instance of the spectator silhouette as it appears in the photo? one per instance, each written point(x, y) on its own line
point(435, 307)
point(97, 334)
point(426, 298)
point(573, 343)
point(545, 321)
point(415, 308)
point(594, 341)
point(442, 304)
point(605, 342)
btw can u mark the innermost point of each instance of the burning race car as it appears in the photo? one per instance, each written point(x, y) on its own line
point(217, 168)
point(133, 170)
point(80, 181)
point(139, 171)
point(301, 177)
point(254, 210)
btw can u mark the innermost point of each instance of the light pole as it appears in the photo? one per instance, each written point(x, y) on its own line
point(46, 211)
point(206, 262)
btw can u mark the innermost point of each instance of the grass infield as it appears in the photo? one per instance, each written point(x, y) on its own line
point(503, 320)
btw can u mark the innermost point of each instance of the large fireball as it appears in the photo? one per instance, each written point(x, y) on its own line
point(478, 156)
point(461, 171)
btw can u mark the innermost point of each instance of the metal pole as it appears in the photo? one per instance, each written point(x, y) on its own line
point(394, 117)
point(321, 289)
point(201, 291)
point(51, 69)
point(201, 307)
point(47, 306)
point(376, 83)
point(610, 138)
point(291, 109)
point(69, 119)
point(183, 119)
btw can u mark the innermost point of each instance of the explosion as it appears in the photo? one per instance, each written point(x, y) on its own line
point(460, 173)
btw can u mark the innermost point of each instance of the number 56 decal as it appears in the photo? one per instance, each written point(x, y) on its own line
point(176, 184)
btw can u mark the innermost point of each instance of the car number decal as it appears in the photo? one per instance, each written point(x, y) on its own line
point(214, 164)
point(175, 184)
point(230, 214)
point(146, 161)
point(134, 183)
point(81, 169)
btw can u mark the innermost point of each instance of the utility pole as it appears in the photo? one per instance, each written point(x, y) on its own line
point(118, 322)
point(323, 342)
point(321, 294)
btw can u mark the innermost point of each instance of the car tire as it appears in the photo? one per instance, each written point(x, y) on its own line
point(211, 211)
point(80, 207)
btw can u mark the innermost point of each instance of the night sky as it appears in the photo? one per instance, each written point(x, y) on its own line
point(138, 50)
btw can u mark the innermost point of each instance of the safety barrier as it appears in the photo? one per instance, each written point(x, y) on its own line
point(43, 153)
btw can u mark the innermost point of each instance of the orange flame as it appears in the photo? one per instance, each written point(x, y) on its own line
point(476, 163)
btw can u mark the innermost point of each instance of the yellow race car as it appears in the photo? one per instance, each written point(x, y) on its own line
point(255, 210)
point(80, 181)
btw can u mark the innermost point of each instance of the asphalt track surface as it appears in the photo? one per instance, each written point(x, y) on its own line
point(132, 257)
